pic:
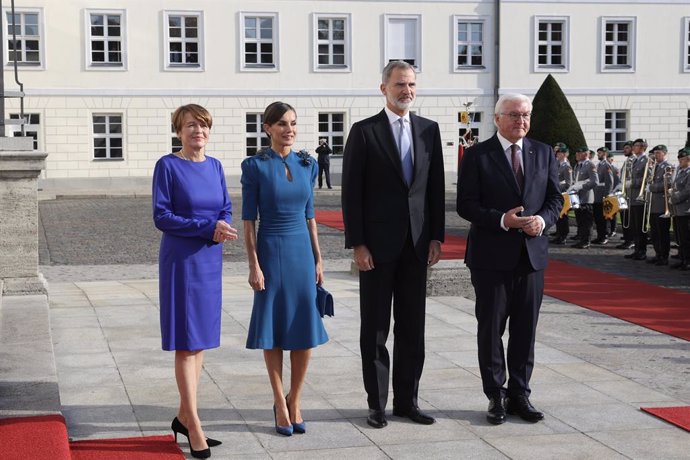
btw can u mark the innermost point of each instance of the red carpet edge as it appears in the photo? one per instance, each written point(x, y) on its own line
point(657, 308)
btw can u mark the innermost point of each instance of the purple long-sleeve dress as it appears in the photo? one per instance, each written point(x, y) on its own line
point(188, 199)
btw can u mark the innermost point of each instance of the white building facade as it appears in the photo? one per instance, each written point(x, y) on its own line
point(102, 78)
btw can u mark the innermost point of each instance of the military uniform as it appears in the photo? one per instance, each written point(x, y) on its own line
point(565, 180)
point(616, 188)
point(585, 182)
point(636, 208)
point(603, 189)
point(680, 200)
point(659, 227)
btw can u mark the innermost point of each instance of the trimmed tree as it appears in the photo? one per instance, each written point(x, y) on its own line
point(553, 119)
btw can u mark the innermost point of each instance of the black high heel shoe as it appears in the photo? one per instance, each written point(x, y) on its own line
point(178, 427)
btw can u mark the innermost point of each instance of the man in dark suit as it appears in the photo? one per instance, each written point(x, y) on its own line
point(508, 190)
point(393, 209)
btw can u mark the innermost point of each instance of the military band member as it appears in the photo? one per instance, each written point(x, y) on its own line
point(603, 189)
point(636, 206)
point(565, 180)
point(616, 187)
point(680, 200)
point(585, 181)
point(660, 227)
point(627, 242)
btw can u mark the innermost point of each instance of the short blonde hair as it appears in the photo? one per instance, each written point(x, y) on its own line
point(198, 112)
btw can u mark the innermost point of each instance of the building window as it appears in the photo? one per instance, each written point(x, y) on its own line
point(256, 137)
point(331, 42)
point(686, 47)
point(469, 44)
point(403, 35)
point(332, 128)
point(175, 142)
point(259, 41)
point(473, 122)
point(107, 136)
point(551, 44)
point(183, 39)
point(105, 32)
point(618, 45)
point(32, 122)
point(615, 130)
point(28, 27)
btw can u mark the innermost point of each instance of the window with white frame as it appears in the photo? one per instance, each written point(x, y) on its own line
point(175, 141)
point(615, 129)
point(551, 44)
point(473, 123)
point(107, 136)
point(618, 44)
point(403, 39)
point(331, 42)
point(32, 126)
point(183, 40)
point(256, 138)
point(27, 27)
point(105, 31)
point(686, 47)
point(469, 43)
point(259, 41)
point(332, 128)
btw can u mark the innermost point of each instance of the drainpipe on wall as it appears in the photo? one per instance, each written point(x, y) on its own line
point(497, 50)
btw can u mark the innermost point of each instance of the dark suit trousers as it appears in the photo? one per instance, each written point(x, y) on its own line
point(563, 227)
point(626, 222)
point(405, 282)
point(640, 238)
point(599, 221)
point(324, 168)
point(660, 234)
point(516, 294)
point(681, 226)
point(584, 218)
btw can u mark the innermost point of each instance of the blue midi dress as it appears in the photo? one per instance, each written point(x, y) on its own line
point(188, 199)
point(284, 315)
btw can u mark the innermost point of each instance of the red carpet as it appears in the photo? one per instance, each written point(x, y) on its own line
point(678, 416)
point(35, 438)
point(146, 448)
point(453, 248)
point(660, 309)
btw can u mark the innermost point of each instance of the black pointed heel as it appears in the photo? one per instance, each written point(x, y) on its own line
point(177, 427)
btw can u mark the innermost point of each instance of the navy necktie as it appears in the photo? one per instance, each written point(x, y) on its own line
point(405, 149)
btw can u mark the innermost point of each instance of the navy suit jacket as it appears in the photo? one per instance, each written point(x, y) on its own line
point(487, 189)
point(378, 207)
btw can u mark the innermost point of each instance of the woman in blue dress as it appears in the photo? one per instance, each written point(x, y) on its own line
point(284, 260)
point(192, 208)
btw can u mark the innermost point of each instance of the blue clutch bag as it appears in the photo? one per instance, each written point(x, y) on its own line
point(324, 301)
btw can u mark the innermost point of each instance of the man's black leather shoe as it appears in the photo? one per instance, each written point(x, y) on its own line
point(520, 405)
point(600, 241)
point(581, 245)
point(415, 415)
point(377, 419)
point(557, 240)
point(625, 245)
point(640, 256)
point(496, 413)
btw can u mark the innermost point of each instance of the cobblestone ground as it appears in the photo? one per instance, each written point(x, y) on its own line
point(119, 231)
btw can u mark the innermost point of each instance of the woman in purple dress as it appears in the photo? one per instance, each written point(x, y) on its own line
point(192, 208)
point(284, 261)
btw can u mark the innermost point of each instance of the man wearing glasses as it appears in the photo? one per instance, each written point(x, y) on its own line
point(508, 190)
